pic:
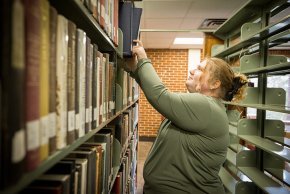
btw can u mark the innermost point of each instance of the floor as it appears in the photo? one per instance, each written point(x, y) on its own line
point(143, 149)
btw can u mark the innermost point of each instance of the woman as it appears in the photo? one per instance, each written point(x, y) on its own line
point(192, 141)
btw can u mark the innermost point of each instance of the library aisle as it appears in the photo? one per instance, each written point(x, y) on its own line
point(143, 149)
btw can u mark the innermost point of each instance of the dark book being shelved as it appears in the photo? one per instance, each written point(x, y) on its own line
point(12, 92)
point(125, 24)
point(129, 23)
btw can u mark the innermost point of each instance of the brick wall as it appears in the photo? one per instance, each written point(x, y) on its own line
point(171, 66)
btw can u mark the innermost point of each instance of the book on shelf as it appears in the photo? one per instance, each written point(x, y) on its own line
point(49, 183)
point(116, 22)
point(80, 82)
point(100, 85)
point(61, 80)
point(32, 59)
point(52, 79)
point(117, 187)
point(71, 82)
point(88, 87)
point(104, 141)
point(102, 13)
point(92, 174)
point(91, 157)
point(12, 73)
point(106, 85)
point(95, 95)
point(99, 160)
point(65, 168)
point(81, 165)
point(44, 79)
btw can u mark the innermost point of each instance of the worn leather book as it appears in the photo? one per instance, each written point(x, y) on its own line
point(71, 82)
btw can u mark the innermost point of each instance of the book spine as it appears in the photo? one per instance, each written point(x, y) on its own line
point(88, 84)
point(116, 22)
point(52, 80)
point(94, 87)
point(32, 59)
point(61, 78)
point(104, 118)
point(71, 81)
point(100, 86)
point(44, 79)
point(12, 94)
point(81, 71)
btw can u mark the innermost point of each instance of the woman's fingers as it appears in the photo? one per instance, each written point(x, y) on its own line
point(138, 42)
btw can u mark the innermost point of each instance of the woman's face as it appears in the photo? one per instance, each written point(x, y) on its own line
point(198, 79)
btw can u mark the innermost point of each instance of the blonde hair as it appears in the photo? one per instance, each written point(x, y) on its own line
point(233, 85)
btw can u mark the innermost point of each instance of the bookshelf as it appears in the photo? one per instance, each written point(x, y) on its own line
point(111, 95)
point(259, 149)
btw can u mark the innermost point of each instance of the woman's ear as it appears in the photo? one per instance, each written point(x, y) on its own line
point(215, 85)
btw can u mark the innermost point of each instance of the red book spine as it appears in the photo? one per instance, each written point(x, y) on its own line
point(32, 59)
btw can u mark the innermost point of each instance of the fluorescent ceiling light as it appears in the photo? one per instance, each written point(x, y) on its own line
point(188, 41)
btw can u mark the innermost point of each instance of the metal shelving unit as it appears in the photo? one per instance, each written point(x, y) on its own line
point(258, 148)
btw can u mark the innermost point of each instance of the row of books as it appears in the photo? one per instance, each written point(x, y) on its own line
point(55, 86)
point(97, 166)
point(106, 13)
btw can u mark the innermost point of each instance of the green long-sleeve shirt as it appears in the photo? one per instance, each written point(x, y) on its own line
point(192, 142)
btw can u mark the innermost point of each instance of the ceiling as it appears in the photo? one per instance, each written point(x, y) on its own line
point(164, 20)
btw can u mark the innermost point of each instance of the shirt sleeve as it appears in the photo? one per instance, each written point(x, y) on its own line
point(188, 111)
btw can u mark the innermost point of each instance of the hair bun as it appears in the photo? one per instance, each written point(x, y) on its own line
point(238, 82)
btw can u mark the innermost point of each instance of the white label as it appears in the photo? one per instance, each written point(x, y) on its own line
point(99, 7)
point(32, 135)
point(77, 121)
point(71, 120)
point(44, 130)
point(103, 11)
point(87, 115)
point(101, 109)
point(52, 125)
point(18, 146)
point(130, 99)
point(112, 105)
point(94, 2)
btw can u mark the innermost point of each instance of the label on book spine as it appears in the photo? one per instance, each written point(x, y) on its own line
point(71, 120)
point(52, 125)
point(87, 115)
point(44, 129)
point(18, 146)
point(32, 135)
point(77, 121)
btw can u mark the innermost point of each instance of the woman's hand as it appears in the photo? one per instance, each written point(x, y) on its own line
point(139, 50)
